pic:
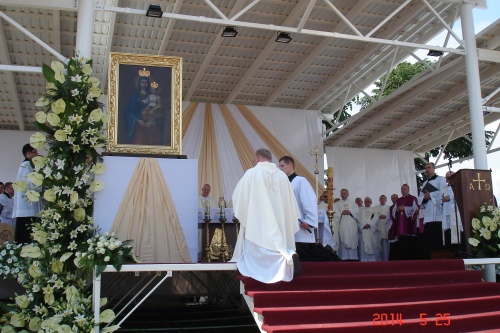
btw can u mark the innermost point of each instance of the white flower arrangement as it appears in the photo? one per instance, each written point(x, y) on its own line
point(66, 246)
point(485, 238)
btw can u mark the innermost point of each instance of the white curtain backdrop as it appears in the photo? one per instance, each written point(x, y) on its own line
point(371, 172)
point(298, 131)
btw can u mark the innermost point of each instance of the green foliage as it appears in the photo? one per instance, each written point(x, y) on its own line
point(401, 74)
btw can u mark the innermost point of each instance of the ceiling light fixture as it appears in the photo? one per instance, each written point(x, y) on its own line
point(283, 37)
point(154, 11)
point(434, 53)
point(229, 31)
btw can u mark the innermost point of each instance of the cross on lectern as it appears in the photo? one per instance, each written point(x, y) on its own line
point(479, 180)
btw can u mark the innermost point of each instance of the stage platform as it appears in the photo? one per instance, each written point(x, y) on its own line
point(137, 283)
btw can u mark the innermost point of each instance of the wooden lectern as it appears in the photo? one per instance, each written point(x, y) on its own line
point(472, 189)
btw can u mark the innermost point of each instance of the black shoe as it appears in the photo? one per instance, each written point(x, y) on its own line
point(297, 267)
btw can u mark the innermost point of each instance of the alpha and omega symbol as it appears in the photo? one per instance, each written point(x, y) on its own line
point(486, 186)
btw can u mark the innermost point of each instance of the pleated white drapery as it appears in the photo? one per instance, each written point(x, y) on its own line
point(240, 130)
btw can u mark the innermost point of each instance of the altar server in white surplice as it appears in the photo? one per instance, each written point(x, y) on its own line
point(265, 205)
point(382, 212)
point(345, 214)
point(369, 234)
point(305, 241)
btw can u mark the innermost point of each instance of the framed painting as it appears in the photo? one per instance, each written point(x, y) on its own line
point(145, 101)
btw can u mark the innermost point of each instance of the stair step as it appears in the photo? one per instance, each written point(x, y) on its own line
point(353, 313)
point(380, 267)
point(461, 323)
point(366, 281)
point(349, 296)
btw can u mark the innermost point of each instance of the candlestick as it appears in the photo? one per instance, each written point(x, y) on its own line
point(330, 188)
point(207, 238)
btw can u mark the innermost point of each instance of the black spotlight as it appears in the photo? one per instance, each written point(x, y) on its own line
point(154, 11)
point(434, 53)
point(283, 37)
point(229, 31)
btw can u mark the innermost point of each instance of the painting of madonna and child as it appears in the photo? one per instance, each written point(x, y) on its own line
point(145, 105)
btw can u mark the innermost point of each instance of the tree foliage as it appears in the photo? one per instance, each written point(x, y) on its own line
point(401, 74)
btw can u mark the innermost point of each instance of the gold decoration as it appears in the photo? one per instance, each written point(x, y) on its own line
point(144, 72)
point(218, 246)
point(6, 233)
point(154, 85)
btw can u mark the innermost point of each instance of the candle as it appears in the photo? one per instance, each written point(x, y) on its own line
point(330, 188)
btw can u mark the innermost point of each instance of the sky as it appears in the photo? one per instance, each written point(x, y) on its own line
point(482, 19)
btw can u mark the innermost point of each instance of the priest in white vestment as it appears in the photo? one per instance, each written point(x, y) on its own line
point(346, 227)
point(381, 212)
point(265, 205)
point(369, 234)
point(430, 202)
point(205, 200)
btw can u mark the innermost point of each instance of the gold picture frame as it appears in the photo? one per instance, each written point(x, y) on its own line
point(145, 105)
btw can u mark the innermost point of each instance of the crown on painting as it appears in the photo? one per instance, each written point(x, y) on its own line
point(154, 85)
point(144, 72)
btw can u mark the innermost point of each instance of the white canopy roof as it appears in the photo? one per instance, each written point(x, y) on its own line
point(338, 47)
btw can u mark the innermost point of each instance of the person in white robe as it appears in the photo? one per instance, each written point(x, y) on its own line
point(369, 233)
point(324, 229)
point(25, 212)
point(430, 203)
point(205, 200)
point(452, 224)
point(7, 201)
point(265, 205)
point(381, 212)
point(305, 240)
point(323, 201)
point(345, 227)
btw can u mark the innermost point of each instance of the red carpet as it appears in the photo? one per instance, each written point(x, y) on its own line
point(400, 296)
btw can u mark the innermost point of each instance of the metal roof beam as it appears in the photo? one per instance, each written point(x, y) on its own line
point(454, 120)
point(443, 22)
point(382, 111)
point(71, 5)
point(34, 38)
point(405, 19)
point(306, 14)
point(313, 56)
point(488, 119)
point(343, 18)
point(271, 44)
point(403, 5)
point(272, 27)
point(428, 108)
point(214, 46)
point(10, 79)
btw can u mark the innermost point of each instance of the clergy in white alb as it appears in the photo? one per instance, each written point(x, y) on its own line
point(381, 212)
point(430, 202)
point(266, 207)
point(452, 223)
point(346, 227)
point(369, 233)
